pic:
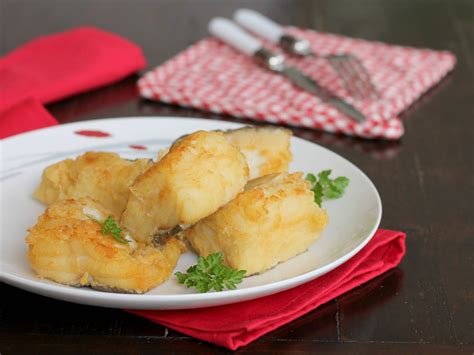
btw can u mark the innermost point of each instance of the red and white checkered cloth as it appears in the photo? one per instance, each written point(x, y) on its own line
point(214, 77)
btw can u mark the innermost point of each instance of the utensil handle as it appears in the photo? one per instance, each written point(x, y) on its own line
point(259, 24)
point(233, 35)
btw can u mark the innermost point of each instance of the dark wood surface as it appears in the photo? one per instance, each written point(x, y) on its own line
point(426, 182)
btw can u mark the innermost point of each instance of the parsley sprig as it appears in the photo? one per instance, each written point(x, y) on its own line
point(325, 187)
point(110, 226)
point(210, 273)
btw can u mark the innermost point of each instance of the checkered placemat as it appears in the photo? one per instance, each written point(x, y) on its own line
point(212, 76)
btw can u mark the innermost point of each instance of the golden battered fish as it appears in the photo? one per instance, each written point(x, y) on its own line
point(274, 219)
point(266, 149)
point(67, 246)
point(102, 176)
point(200, 173)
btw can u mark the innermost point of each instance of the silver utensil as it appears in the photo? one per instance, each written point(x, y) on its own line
point(234, 36)
point(354, 75)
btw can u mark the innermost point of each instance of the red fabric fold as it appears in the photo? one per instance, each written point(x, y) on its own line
point(26, 115)
point(56, 66)
point(236, 325)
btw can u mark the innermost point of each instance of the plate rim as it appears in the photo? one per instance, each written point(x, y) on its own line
point(96, 298)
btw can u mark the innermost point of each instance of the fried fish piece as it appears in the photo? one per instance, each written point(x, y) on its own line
point(67, 246)
point(102, 176)
point(200, 173)
point(274, 219)
point(266, 149)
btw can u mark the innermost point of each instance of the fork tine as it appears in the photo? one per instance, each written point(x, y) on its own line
point(354, 75)
point(364, 76)
point(338, 63)
point(357, 81)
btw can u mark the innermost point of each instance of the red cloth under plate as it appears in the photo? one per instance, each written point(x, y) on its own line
point(236, 325)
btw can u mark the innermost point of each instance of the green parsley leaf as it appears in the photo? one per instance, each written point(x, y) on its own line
point(311, 178)
point(211, 274)
point(110, 226)
point(318, 193)
point(324, 187)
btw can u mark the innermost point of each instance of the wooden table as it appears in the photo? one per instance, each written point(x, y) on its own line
point(426, 182)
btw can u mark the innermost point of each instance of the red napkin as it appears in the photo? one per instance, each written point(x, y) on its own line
point(236, 325)
point(56, 66)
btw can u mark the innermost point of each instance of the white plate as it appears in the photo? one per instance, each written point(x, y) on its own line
point(353, 218)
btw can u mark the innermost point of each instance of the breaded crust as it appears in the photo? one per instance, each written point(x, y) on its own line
point(266, 149)
point(68, 247)
point(102, 176)
point(200, 173)
point(274, 219)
